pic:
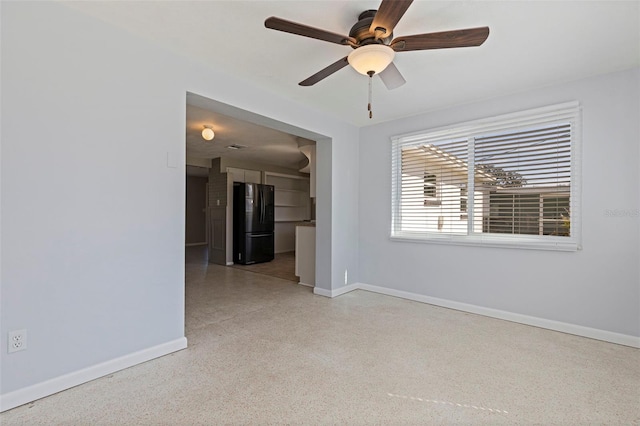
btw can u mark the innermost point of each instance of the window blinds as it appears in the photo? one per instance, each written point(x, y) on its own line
point(431, 183)
point(518, 174)
point(506, 177)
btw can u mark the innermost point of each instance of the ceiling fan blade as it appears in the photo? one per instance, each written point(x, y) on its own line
point(326, 72)
point(387, 16)
point(443, 40)
point(391, 77)
point(307, 31)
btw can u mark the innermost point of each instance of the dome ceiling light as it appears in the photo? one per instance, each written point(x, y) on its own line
point(207, 133)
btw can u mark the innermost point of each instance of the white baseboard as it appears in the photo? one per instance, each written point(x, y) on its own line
point(230, 264)
point(49, 387)
point(306, 285)
point(337, 292)
point(578, 330)
point(322, 292)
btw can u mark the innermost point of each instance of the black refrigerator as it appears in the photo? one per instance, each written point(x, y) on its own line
point(253, 206)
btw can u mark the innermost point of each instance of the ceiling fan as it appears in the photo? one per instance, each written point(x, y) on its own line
point(373, 43)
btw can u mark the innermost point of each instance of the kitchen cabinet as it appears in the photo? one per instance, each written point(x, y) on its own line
point(292, 205)
point(292, 200)
point(242, 175)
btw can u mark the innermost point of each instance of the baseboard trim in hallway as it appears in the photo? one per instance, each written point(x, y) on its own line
point(578, 330)
point(67, 381)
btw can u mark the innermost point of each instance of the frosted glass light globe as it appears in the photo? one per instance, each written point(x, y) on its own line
point(207, 134)
point(372, 57)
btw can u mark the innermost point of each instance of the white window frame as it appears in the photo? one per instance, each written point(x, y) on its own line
point(569, 112)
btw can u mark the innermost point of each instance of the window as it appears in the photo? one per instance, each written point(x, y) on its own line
point(505, 181)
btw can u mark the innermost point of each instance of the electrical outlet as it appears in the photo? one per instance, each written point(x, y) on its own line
point(17, 341)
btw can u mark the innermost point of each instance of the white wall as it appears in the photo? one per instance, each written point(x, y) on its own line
point(92, 216)
point(597, 287)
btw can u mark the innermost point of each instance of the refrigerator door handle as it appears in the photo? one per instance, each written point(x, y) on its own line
point(262, 209)
point(259, 235)
point(260, 203)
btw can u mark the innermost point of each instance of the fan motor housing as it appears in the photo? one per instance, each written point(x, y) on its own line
point(360, 30)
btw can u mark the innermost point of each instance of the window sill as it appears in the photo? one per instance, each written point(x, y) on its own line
point(550, 243)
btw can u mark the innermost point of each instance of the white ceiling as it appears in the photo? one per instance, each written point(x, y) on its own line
point(262, 144)
point(531, 44)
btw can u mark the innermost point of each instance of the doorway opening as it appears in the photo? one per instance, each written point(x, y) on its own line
point(247, 147)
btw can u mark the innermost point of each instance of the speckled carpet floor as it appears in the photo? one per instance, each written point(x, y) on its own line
point(282, 266)
point(264, 351)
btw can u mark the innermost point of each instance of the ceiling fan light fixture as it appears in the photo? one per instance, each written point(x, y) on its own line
point(372, 57)
point(207, 133)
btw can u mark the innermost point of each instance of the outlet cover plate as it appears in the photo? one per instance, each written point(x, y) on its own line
point(17, 341)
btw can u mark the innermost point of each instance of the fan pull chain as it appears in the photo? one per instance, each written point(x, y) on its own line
point(370, 95)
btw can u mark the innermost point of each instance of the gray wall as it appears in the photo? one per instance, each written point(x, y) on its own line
point(195, 224)
point(101, 276)
point(597, 287)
